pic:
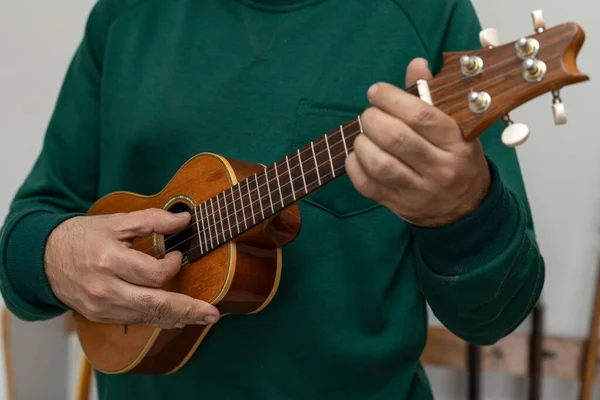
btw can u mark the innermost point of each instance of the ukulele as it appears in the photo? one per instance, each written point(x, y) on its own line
point(243, 213)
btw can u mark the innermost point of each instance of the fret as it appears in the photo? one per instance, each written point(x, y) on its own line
point(269, 190)
point(243, 207)
point(198, 228)
point(338, 149)
point(221, 217)
point(323, 161)
point(348, 139)
point(203, 229)
point(279, 185)
point(302, 172)
point(312, 146)
point(360, 124)
point(310, 174)
point(344, 139)
point(212, 206)
point(230, 211)
point(329, 153)
point(262, 211)
point(226, 217)
point(208, 224)
point(237, 222)
point(286, 190)
point(250, 201)
point(287, 160)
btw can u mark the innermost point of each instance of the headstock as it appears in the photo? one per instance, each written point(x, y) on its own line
point(479, 87)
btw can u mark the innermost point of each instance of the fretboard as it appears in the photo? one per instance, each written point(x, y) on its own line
point(279, 185)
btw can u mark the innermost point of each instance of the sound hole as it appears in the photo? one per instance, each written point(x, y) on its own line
point(183, 241)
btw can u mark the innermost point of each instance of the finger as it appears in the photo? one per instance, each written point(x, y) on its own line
point(382, 166)
point(144, 223)
point(428, 121)
point(144, 270)
point(400, 140)
point(417, 69)
point(163, 307)
point(363, 183)
point(126, 316)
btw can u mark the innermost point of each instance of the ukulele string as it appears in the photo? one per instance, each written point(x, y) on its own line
point(497, 66)
point(340, 168)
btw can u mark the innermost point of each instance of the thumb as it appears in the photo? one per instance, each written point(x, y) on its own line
point(162, 222)
point(417, 69)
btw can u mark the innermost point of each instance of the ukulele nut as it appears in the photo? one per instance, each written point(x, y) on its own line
point(534, 70)
point(527, 48)
point(479, 102)
point(471, 66)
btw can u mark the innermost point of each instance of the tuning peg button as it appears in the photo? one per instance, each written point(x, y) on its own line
point(558, 109)
point(515, 133)
point(489, 38)
point(539, 25)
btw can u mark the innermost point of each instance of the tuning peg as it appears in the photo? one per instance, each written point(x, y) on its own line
point(515, 133)
point(538, 21)
point(489, 38)
point(558, 109)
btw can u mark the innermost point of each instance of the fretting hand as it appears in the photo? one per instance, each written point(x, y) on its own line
point(92, 269)
point(413, 159)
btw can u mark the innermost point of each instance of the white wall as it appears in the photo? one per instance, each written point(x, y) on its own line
point(560, 164)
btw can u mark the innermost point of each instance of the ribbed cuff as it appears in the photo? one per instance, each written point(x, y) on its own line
point(29, 288)
point(479, 237)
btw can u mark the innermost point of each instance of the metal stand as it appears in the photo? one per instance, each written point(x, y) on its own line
point(536, 352)
point(474, 363)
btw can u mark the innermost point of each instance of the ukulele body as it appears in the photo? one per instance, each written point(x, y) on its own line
point(239, 277)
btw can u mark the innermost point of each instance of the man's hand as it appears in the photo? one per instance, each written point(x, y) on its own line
point(92, 268)
point(413, 159)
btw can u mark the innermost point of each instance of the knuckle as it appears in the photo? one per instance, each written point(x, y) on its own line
point(160, 310)
point(423, 116)
point(396, 138)
point(365, 187)
point(159, 278)
point(187, 314)
point(369, 115)
point(93, 310)
point(448, 176)
point(98, 293)
point(380, 166)
point(103, 260)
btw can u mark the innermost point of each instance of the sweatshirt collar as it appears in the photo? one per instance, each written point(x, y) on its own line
point(279, 5)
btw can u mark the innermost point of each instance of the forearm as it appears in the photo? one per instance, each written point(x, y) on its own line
point(483, 274)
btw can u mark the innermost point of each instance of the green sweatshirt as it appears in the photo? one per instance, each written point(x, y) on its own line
point(155, 82)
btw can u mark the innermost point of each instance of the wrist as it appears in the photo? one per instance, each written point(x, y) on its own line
point(464, 204)
point(477, 232)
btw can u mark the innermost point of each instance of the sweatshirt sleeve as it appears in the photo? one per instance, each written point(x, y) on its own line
point(61, 184)
point(484, 274)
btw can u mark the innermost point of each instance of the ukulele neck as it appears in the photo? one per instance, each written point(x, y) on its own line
point(266, 193)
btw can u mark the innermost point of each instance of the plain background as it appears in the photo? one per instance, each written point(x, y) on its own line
point(561, 164)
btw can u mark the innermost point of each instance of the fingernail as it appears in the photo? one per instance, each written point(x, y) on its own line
point(181, 215)
point(201, 322)
point(372, 90)
point(210, 319)
point(180, 326)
